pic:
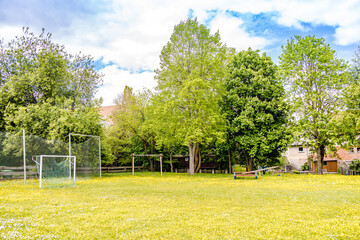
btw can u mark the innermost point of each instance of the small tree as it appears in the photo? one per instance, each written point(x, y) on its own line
point(315, 80)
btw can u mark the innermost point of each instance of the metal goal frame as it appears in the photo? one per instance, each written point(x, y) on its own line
point(40, 163)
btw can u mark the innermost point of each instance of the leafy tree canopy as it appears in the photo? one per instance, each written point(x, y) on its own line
point(255, 108)
point(316, 80)
point(190, 85)
point(46, 90)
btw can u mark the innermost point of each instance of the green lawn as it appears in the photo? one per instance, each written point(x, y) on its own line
point(178, 206)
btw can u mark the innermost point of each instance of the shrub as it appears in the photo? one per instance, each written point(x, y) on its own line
point(355, 165)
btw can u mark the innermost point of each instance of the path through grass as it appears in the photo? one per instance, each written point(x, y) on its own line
point(178, 206)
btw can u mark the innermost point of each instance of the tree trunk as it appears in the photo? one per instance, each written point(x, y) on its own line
point(192, 152)
point(198, 157)
point(151, 161)
point(230, 160)
point(320, 158)
point(171, 162)
point(249, 162)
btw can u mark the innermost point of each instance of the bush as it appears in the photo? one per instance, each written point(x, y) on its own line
point(305, 167)
point(355, 165)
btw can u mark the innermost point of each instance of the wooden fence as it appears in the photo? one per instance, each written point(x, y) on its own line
point(18, 172)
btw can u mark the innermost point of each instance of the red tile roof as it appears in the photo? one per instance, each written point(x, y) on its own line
point(106, 113)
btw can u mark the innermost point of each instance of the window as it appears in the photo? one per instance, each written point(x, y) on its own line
point(351, 150)
point(301, 149)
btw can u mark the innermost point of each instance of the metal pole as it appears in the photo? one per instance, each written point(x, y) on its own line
point(40, 174)
point(100, 155)
point(24, 156)
point(132, 164)
point(74, 169)
point(70, 154)
point(69, 144)
point(161, 163)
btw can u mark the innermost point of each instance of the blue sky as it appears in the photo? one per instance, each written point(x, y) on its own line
point(125, 37)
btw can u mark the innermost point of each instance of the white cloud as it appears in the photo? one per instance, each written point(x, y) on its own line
point(116, 79)
point(234, 35)
point(132, 33)
point(344, 15)
point(347, 35)
point(7, 33)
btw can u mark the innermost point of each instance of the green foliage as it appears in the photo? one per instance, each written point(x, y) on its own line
point(349, 120)
point(305, 167)
point(45, 90)
point(355, 71)
point(129, 132)
point(315, 79)
point(189, 88)
point(255, 108)
point(355, 165)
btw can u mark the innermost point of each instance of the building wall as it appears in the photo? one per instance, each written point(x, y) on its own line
point(297, 158)
point(106, 112)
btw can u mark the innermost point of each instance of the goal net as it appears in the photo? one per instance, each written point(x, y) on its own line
point(55, 170)
point(87, 150)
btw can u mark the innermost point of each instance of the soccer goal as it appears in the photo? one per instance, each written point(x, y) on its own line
point(54, 170)
point(134, 164)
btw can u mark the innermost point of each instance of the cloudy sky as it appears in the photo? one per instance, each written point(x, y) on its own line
point(125, 37)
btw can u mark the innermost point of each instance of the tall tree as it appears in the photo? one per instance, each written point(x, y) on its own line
point(37, 74)
point(255, 107)
point(315, 79)
point(47, 92)
point(190, 79)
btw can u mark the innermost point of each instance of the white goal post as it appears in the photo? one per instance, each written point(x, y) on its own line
point(133, 155)
point(84, 135)
point(39, 160)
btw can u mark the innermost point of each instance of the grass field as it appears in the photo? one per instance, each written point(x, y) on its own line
point(178, 206)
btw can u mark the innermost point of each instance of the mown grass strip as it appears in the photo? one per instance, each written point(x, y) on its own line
point(178, 206)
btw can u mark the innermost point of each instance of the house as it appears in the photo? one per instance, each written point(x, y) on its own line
point(341, 159)
point(106, 113)
point(297, 155)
